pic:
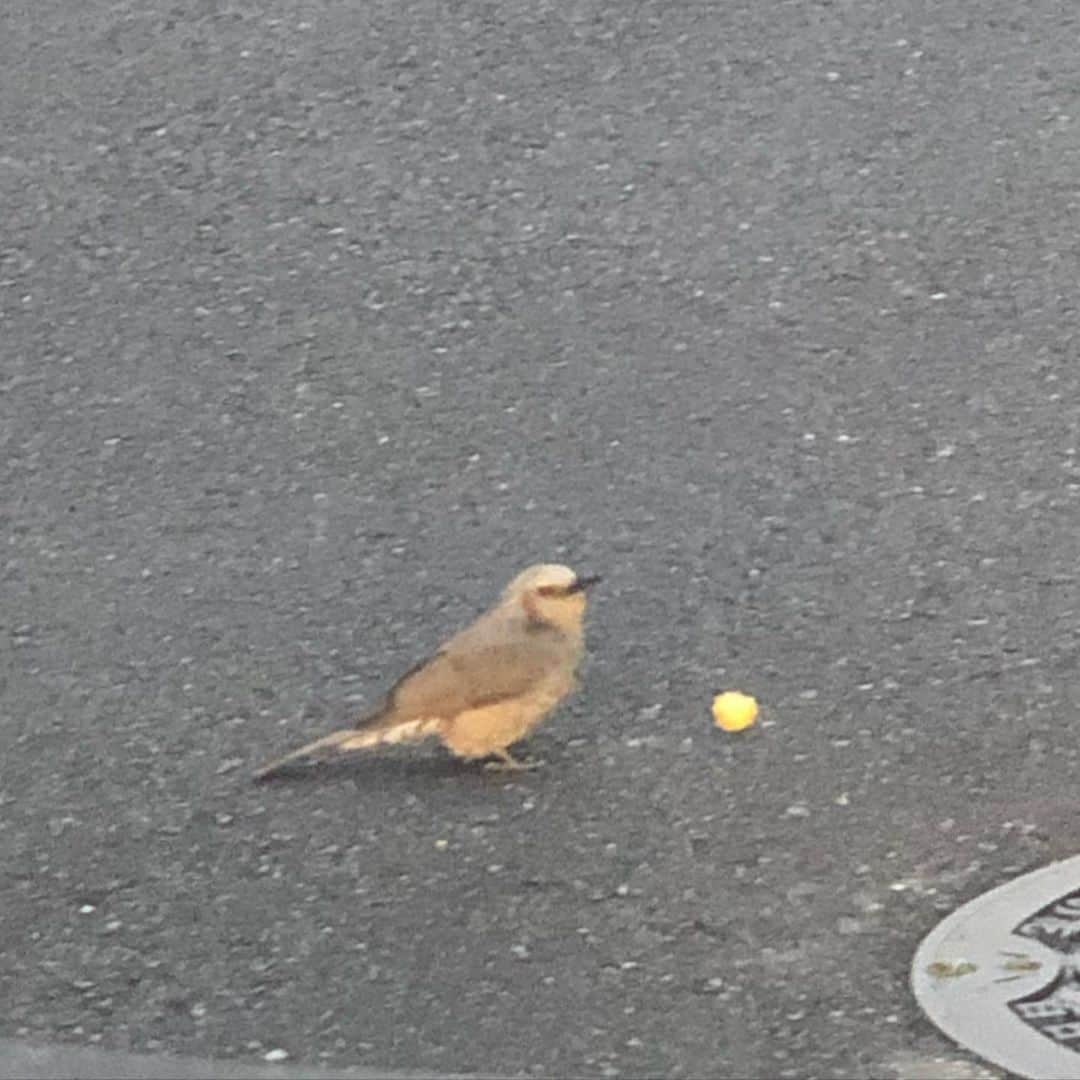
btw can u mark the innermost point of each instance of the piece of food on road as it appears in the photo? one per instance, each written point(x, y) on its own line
point(733, 711)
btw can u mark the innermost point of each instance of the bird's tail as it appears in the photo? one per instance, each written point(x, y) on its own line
point(354, 738)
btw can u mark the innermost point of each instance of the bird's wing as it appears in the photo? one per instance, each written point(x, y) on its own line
point(467, 677)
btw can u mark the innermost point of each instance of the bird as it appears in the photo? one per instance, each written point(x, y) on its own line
point(488, 686)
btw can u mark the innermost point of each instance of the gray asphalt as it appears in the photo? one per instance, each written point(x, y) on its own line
point(320, 320)
point(22, 1061)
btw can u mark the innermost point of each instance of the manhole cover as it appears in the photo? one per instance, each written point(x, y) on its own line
point(1001, 975)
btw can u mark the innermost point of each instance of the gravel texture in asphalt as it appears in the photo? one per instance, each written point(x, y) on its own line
point(24, 1061)
point(319, 320)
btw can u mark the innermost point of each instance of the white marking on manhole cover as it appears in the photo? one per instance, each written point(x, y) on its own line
point(1001, 975)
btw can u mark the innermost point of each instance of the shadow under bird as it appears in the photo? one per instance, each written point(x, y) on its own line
point(488, 686)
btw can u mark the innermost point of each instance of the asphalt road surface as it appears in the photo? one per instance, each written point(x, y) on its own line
point(320, 320)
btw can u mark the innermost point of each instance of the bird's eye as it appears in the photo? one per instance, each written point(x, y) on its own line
point(552, 590)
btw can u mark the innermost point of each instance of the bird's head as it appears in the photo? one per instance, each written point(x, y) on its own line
point(550, 593)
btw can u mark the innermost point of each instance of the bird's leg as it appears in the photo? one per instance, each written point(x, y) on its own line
point(508, 763)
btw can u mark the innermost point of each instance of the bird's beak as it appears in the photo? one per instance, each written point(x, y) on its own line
point(583, 583)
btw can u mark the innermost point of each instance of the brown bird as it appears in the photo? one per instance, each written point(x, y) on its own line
point(489, 685)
